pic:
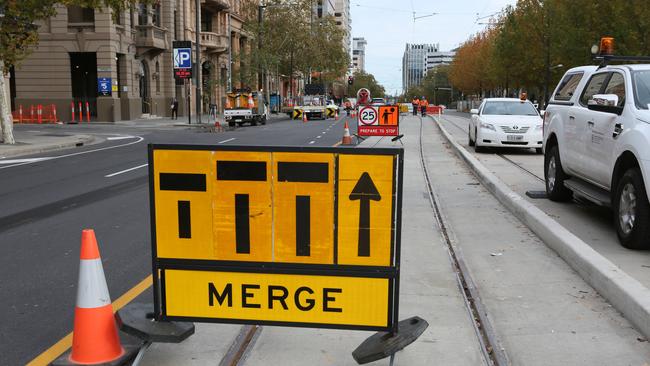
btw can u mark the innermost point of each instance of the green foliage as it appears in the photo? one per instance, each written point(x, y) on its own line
point(19, 30)
point(368, 81)
point(294, 40)
point(512, 52)
point(430, 87)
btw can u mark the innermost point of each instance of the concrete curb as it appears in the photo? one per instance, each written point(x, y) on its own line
point(625, 293)
point(37, 149)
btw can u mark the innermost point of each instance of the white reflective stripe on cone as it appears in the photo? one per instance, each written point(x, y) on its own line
point(92, 291)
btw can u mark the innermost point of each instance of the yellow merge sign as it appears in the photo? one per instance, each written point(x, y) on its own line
point(276, 235)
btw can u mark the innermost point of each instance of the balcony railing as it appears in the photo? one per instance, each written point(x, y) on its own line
point(151, 37)
point(214, 42)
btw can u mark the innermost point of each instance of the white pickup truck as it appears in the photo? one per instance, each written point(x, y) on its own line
point(597, 144)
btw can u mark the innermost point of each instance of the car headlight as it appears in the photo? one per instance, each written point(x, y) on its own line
point(487, 126)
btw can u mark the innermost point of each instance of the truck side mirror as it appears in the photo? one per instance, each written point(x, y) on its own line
point(607, 103)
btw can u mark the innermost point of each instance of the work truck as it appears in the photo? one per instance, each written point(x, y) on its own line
point(243, 106)
point(597, 141)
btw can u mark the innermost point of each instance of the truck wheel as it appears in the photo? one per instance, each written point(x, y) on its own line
point(254, 122)
point(239, 124)
point(632, 211)
point(231, 124)
point(264, 120)
point(555, 177)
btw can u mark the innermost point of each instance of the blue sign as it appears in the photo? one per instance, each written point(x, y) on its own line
point(182, 58)
point(104, 87)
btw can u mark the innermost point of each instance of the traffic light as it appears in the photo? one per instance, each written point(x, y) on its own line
point(350, 80)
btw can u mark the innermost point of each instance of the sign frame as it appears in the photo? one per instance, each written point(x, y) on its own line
point(390, 272)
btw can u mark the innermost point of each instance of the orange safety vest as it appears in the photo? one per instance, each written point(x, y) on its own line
point(424, 103)
point(415, 102)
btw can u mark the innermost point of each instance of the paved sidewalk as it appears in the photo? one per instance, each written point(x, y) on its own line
point(33, 142)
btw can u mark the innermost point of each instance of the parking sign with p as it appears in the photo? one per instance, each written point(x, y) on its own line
point(182, 58)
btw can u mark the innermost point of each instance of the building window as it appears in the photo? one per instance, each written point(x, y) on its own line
point(143, 17)
point(77, 14)
point(157, 15)
point(206, 21)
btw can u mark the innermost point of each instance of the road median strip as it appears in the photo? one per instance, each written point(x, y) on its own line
point(625, 293)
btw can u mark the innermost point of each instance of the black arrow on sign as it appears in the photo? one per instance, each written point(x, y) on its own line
point(364, 191)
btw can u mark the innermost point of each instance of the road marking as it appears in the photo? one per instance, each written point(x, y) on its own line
point(15, 161)
point(140, 139)
point(125, 170)
point(311, 142)
point(319, 136)
point(224, 141)
point(120, 138)
point(65, 343)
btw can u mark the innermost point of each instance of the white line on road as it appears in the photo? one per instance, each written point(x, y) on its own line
point(319, 136)
point(311, 142)
point(24, 161)
point(140, 139)
point(125, 170)
point(224, 141)
point(120, 138)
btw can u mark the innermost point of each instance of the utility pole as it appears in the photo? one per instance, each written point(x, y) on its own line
point(197, 63)
point(229, 53)
point(260, 15)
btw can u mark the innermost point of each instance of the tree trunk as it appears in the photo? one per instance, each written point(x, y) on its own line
point(6, 121)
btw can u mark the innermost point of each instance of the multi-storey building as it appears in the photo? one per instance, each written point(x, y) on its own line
point(133, 51)
point(359, 54)
point(344, 21)
point(418, 59)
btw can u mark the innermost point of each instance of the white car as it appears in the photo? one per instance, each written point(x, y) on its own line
point(506, 122)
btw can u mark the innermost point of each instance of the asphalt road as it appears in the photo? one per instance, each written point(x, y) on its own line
point(47, 202)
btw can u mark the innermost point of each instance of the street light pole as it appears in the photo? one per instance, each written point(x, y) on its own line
point(197, 63)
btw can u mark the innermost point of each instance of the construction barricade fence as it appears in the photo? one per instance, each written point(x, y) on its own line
point(36, 113)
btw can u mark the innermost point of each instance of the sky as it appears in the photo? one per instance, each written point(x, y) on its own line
point(387, 25)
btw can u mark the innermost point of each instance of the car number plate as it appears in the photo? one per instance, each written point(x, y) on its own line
point(515, 137)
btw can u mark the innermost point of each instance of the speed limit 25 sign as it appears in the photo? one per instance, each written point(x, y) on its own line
point(378, 121)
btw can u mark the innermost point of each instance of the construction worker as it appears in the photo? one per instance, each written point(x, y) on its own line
point(416, 104)
point(424, 103)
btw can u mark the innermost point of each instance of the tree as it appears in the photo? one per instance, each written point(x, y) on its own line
point(368, 81)
point(292, 39)
point(19, 32)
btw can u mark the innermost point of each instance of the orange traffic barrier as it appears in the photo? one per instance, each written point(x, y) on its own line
point(39, 113)
point(95, 338)
point(347, 139)
point(81, 116)
point(87, 112)
point(31, 114)
point(20, 113)
point(72, 108)
point(434, 109)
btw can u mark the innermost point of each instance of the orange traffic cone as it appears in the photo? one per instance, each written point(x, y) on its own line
point(228, 106)
point(336, 114)
point(347, 139)
point(95, 338)
point(251, 103)
point(304, 116)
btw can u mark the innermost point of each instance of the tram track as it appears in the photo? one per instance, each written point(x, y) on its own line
point(494, 354)
point(505, 158)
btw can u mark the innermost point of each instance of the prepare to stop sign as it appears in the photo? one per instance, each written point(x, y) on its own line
point(378, 121)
